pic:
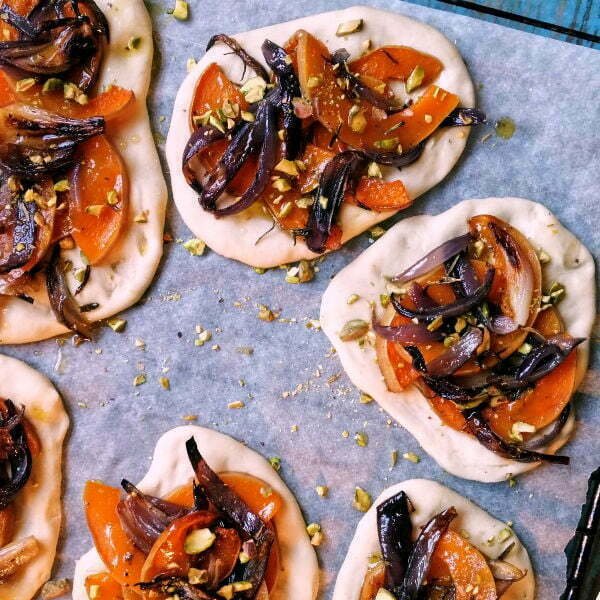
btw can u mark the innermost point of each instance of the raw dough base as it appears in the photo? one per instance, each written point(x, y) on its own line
point(38, 504)
point(406, 242)
point(129, 267)
point(430, 498)
point(170, 468)
point(235, 237)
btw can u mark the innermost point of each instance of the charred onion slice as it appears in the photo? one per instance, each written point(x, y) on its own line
point(551, 432)
point(18, 218)
point(411, 333)
point(201, 139)
point(62, 302)
point(329, 196)
point(395, 538)
point(464, 116)
point(454, 309)
point(248, 61)
point(230, 504)
point(423, 549)
point(144, 517)
point(15, 461)
point(480, 428)
point(396, 159)
point(279, 61)
point(266, 134)
point(58, 37)
point(35, 142)
point(355, 85)
point(456, 355)
point(434, 258)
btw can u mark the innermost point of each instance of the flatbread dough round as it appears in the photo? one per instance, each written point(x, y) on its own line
point(170, 468)
point(235, 237)
point(129, 267)
point(430, 498)
point(406, 242)
point(38, 504)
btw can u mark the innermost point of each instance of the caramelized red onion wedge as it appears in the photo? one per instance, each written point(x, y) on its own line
point(395, 538)
point(15, 467)
point(220, 560)
point(174, 587)
point(201, 139)
point(248, 61)
point(279, 61)
point(247, 522)
point(519, 263)
point(267, 159)
point(396, 159)
point(145, 517)
point(23, 225)
point(53, 41)
point(434, 258)
point(550, 433)
point(456, 355)
point(16, 555)
point(329, 195)
point(480, 428)
point(358, 88)
point(454, 309)
point(35, 142)
point(505, 573)
point(460, 117)
point(411, 333)
point(63, 304)
point(422, 552)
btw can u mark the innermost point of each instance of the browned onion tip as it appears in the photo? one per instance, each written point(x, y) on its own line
point(16, 555)
point(434, 258)
point(63, 304)
point(456, 355)
point(248, 60)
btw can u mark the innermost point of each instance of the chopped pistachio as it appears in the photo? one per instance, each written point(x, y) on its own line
point(387, 143)
point(362, 500)
point(62, 185)
point(435, 324)
point(314, 81)
point(198, 541)
point(266, 314)
point(345, 434)
point(165, 382)
point(134, 43)
point(428, 118)
point(288, 167)
point(478, 248)
point(141, 217)
point(504, 534)
point(247, 116)
point(52, 85)
point(384, 300)
point(460, 324)
point(361, 439)
point(94, 209)
point(112, 197)
point(357, 121)
point(117, 324)
point(411, 457)
point(518, 428)
point(525, 348)
point(55, 589)
point(286, 209)
point(216, 123)
point(254, 89)
point(313, 528)
point(543, 257)
point(354, 330)
point(24, 84)
point(243, 558)
point(306, 271)
point(281, 184)
point(323, 201)
point(365, 398)
point(197, 576)
point(236, 404)
point(139, 379)
point(317, 539)
point(415, 79)
point(376, 232)
point(451, 339)
point(181, 10)
point(204, 335)
point(352, 298)
point(374, 170)
point(383, 594)
point(190, 64)
point(322, 490)
point(79, 275)
point(393, 457)
point(275, 462)
point(195, 246)
point(349, 27)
